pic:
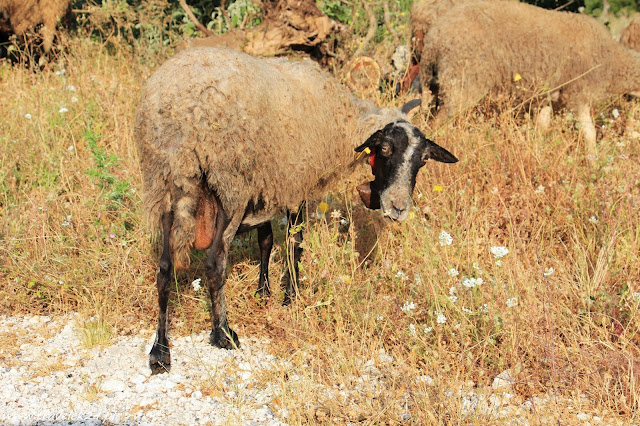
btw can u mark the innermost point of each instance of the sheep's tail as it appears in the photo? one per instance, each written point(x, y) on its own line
point(164, 193)
point(184, 205)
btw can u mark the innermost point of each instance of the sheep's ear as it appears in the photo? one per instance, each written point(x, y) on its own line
point(406, 108)
point(373, 141)
point(437, 153)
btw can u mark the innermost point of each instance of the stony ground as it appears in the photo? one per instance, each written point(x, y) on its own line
point(49, 377)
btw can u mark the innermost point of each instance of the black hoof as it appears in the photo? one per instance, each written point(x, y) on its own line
point(159, 359)
point(224, 338)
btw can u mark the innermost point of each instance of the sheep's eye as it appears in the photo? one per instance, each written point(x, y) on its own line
point(385, 149)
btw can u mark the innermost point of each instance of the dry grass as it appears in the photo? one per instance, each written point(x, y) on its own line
point(72, 239)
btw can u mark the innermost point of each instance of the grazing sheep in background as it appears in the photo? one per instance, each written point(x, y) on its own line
point(511, 48)
point(226, 141)
point(422, 16)
point(630, 37)
point(20, 16)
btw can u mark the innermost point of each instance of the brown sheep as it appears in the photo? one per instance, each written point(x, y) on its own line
point(226, 141)
point(630, 37)
point(513, 48)
point(422, 16)
point(20, 16)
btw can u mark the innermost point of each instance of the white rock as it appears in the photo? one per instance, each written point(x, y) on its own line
point(113, 385)
point(137, 379)
point(502, 380)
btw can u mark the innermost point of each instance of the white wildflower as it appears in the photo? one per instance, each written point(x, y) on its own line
point(636, 296)
point(70, 148)
point(549, 271)
point(379, 318)
point(615, 113)
point(540, 189)
point(512, 302)
point(63, 110)
point(196, 284)
point(408, 307)
point(467, 310)
point(593, 220)
point(61, 72)
point(418, 279)
point(27, 116)
point(453, 291)
point(428, 330)
point(484, 308)
point(499, 262)
point(441, 318)
point(494, 190)
point(71, 88)
point(453, 299)
point(471, 282)
point(67, 222)
point(499, 251)
point(445, 238)
point(74, 99)
point(453, 272)
point(336, 214)
point(401, 275)
point(412, 329)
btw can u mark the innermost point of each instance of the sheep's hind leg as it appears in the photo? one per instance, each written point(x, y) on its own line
point(216, 264)
point(160, 357)
point(294, 251)
point(265, 241)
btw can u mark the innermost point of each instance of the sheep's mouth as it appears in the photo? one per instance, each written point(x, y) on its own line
point(370, 197)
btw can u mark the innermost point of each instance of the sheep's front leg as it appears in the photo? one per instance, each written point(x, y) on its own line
point(294, 251)
point(159, 357)
point(265, 241)
point(216, 264)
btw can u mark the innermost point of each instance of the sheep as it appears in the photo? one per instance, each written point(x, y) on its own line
point(630, 37)
point(226, 141)
point(421, 17)
point(510, 48)
point(19, 16)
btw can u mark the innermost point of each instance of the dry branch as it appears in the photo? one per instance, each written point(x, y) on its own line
point(193, 18)
point(373, 24)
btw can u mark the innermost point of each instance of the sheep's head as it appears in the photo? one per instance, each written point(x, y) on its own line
point(397, 152)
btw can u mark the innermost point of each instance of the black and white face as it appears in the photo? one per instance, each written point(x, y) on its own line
point(397, 153)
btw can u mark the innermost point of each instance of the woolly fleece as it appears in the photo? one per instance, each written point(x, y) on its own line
point(267, 130)
point(630, 37)
point(479, 47)
point(26, 14)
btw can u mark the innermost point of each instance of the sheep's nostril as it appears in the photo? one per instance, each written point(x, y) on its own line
point(398, 211)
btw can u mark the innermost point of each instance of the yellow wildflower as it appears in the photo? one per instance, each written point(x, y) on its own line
point(323, 207)
point(517, 77)
point(437, 188)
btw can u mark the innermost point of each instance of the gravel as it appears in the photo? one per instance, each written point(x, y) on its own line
point(48, 377)
point(51, 379)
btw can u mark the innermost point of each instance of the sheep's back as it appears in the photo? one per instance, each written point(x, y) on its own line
point(255, 128)
point(547, 49)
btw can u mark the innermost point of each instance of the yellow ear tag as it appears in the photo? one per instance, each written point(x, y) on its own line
point(367, 150)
